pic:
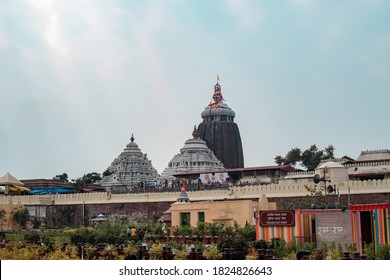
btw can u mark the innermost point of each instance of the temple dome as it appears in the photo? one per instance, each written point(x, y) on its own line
point(194, 156)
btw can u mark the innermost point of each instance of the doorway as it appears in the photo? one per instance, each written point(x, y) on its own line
point(366, 226)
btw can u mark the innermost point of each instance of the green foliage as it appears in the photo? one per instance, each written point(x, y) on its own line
point(237, 243)
point(107, 172)
point(308, 246)
point(383, 252)
point(103, 233)
point(309, 159)
point(86, 180)
point(180, 254)
point(278, 247)
point(212, 253)
point(201, 229)
point(63, 177)
point(156, 251)
point(248, 232)
point(369, 250)
point(32, 237)
point(332, 251)
point(292, 248)
point(21, 216)
point(260, 244)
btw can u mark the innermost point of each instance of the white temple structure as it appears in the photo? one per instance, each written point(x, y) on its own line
point(195, 156)
point(131, 169)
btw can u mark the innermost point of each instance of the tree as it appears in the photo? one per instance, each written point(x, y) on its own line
point(107, 172)
point(293, 156)
point(87, 179)
point(63, 177)
point(309, 158)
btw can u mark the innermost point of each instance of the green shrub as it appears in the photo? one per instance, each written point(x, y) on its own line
point(237, 243)
point(383, 252)
point(248, 232)
point(278, 247)
point(32, 237)
point(260, 244)
point(212, 253)
point(369, 250)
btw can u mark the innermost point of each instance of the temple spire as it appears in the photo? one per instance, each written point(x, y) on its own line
point(195, 133)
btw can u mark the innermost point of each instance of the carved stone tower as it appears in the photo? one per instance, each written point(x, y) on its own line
point(220, 131)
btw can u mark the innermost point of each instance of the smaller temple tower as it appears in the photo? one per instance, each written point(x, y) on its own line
point(194, 156)
point(131, 169)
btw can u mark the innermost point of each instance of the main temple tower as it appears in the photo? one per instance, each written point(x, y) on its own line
point(220, 131)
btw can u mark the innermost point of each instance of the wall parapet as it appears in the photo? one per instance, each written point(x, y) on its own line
point(361, 164)
point(245, 192)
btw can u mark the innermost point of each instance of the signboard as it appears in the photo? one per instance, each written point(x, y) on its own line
point(277, 218)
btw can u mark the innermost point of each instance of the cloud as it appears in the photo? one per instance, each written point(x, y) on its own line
point(247, 13)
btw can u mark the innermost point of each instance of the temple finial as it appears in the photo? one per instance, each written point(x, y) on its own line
point(195, 133)
point(132, 138)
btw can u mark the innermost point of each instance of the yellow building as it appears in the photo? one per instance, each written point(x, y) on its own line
point(186, 213)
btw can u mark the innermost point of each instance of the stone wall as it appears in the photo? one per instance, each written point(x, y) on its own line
point(76, 209)
point(274, 191)
point(333, 227)
point(58, 216)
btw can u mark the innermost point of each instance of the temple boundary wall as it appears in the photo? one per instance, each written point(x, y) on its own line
point(245, 192)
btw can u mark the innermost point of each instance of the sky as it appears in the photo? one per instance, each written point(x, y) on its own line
point(79, 77)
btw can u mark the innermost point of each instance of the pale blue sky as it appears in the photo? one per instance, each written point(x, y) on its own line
point(77, 78)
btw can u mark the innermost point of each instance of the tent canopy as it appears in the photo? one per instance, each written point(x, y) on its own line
point(8, 179)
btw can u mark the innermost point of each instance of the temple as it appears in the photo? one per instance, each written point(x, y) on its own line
point(194, 156)
point(131, 169)
point(220, 132)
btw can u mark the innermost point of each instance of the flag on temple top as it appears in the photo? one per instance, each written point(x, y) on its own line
point(218, 78)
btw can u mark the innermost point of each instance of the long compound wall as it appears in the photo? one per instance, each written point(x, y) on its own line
point(272, 191)
point(75, 209)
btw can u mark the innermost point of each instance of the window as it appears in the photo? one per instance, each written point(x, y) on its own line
point(185, 219)
point(201, 217)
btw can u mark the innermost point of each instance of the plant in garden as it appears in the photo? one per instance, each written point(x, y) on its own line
point(180, 254)
point(155, 251)
point(32, 237)
point(212, 252)
point(237, 243)
point(351, 248)
point(201, 229)
point(260, 244)
point(252, 254)
point(383, 252)
point(369, 250)
point(69, 253)
point(308, 246)
point(333, 252)
point(130, 250)
point(248, 232)
point(278, 247)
